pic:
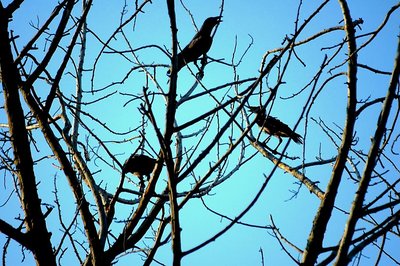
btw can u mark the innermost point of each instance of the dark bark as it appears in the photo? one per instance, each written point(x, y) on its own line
point(357, 207)
point(316, 237)
point(38, 240)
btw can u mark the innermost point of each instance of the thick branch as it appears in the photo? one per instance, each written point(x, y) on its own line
point(15, 234)
point(80, 28)
point(31, 204)
point(293, 171)
point(45, 26)
point(53, 46)
point(170, 119)
point(357, 206)
point(14, 5)
point(53, 142)
point(314, 242)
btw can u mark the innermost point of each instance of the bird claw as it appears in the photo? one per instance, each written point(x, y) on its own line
point(200, 75)
point(273, 151)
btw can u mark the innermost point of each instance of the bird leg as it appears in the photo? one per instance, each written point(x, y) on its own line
point(267, 139)
point(199, 74)
point(203, 64)
point(264, 143)
point(280, 141)
point(141, 184)
point(204, 60)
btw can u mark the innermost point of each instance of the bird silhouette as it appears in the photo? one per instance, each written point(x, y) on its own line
point(139, 165)
point(274, 126)
point(199, 45)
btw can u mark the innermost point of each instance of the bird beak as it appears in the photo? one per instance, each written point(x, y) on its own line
point(219, 19)
point(254, 109)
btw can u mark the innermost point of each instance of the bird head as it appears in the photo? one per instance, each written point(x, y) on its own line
point(211, 22)
point(255, 109)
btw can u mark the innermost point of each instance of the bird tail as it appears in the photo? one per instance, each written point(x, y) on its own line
point(297, 138)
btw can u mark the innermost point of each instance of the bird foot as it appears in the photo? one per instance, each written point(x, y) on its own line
point(200, 75)
point(269, 149)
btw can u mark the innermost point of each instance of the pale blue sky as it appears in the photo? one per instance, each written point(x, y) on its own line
point(268, 22)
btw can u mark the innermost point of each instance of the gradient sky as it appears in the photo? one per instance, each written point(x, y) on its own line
point(267, 22)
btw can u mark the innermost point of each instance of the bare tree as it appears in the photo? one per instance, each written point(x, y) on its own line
point(70, 108)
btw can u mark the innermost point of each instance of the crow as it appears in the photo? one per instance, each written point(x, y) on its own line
point(139, 165)
point(274, 126)
point(199, 45)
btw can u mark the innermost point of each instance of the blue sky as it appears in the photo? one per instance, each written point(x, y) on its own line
point(268, 22)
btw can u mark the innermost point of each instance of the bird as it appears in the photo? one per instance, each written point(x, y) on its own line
point(139, 165)
point(199, 45)
point(273, 126)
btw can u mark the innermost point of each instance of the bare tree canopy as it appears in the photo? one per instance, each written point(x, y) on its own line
point(200, 133)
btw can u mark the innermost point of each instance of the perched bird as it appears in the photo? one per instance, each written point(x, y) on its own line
point(139, 165)
point(274, 126)
point(199, 45)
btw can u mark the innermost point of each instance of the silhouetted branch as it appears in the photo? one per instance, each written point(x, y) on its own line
point(356, 209)
point(314, 242)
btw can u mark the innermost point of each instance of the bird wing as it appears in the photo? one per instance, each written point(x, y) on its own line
point(198, 46)
point(278, 128)
point(139, 165)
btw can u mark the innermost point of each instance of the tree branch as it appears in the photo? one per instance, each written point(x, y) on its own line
point(314, 242)
point(30, 201)
point(373, 155)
